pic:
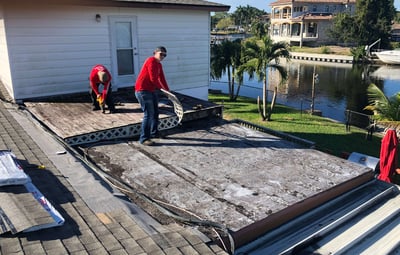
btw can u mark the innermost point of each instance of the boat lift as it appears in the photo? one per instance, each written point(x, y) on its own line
point(368, 47)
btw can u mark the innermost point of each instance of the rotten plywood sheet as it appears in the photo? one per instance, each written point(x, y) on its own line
point(70, 116)
point(225, 172)
point(68, 120)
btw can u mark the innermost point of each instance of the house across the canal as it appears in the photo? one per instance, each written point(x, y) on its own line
point(305, 22)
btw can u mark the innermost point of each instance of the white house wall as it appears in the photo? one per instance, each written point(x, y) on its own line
point(52, 48)
point(186, 36)
point(5, 72)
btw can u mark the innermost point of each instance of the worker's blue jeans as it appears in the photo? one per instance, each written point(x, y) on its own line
point(149, 103)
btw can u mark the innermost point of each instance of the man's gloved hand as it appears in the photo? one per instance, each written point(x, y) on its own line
point(100, 100)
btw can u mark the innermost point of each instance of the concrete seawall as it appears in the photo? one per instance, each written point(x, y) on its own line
point(322, 57)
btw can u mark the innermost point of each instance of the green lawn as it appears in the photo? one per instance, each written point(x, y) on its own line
point(329, 136)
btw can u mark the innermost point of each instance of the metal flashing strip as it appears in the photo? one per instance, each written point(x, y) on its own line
point(285, 136)
point(262, 228)
point(302, 231)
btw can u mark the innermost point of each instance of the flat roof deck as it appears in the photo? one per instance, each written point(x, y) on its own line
point(72, 119)
point(219, 171)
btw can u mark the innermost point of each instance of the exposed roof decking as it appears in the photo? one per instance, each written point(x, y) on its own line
point(220, 171)
point(72, 119)
point(227, 173)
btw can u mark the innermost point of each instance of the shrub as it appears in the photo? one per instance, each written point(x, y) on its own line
point(325, 50)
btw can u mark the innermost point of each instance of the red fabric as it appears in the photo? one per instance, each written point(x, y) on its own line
point(388, 156)
point(94, 80)
point(151, 77)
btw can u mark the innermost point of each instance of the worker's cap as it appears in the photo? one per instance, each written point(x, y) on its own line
point(160, 49)
point(103, 76)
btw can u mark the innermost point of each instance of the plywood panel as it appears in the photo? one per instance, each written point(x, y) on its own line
point(72, 115)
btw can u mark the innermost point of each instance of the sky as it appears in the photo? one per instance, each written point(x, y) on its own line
point(264, 4)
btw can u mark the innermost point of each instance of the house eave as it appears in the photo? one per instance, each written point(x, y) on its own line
point(153, 4)
point(187, 5)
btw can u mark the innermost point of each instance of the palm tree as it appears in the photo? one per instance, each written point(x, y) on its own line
point(258, 55)
point(259, 28)
point(225, 57)
point(384, 108)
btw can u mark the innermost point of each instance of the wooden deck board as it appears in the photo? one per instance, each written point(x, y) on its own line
point(70, 116)
point(69, 120)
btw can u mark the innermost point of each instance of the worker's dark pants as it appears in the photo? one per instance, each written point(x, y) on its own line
point(149, 103)
point(109, 99)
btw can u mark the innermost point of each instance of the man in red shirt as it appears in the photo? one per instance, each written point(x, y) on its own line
point(150, 79)
point(100, 75)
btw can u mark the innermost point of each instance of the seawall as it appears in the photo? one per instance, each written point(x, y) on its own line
point(322, 57)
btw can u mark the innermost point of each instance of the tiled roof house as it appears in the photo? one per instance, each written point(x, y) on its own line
point(305, 22)
point(395, 32)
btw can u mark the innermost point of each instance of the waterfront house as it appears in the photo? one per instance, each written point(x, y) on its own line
point(395, 32)
point(305, 22)
point(48, 47)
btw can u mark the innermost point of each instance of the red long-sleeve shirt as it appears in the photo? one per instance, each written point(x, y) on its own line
point(94, 79)
point(151, 77)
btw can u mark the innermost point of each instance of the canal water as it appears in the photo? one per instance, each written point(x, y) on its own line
point(339, 87)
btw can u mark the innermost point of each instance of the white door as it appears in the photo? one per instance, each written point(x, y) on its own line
point(124, 50)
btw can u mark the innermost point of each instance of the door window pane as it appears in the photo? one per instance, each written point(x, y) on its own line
point(125, 61)
point(124, 48)
point(124, 35)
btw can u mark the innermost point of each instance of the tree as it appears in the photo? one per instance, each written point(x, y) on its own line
point(259, 29)
point(225, 58)
point(245, 16)
point(217, 17)
point(384, 108)
point(372, 21)
point(344, 28)
point(257, 56)
point(224, 23)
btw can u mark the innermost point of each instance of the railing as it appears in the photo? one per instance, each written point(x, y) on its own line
point(361, 120)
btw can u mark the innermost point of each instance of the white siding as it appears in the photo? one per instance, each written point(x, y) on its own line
point(5, 72)
point(52, 48)
point(187, 39)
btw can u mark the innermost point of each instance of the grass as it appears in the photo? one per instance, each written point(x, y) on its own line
point(331, 49)
point(329, 136)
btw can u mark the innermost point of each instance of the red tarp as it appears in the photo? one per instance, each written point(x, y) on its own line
point(388, 156)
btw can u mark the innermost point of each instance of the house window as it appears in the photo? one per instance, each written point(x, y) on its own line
point(296, 29)
point(286, 13)
point(276, 13)
point(314, 8)
point(285, 29)
point(299, 9)
point(312, 29)
point(275, 30)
